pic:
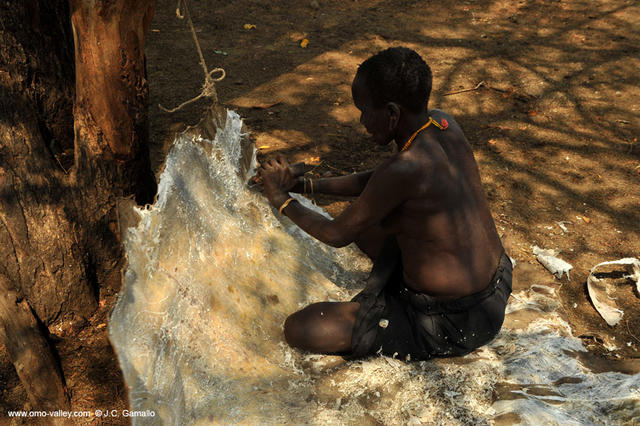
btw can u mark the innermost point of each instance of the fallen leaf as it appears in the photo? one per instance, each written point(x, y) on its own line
point(586, 219)
point(249, 26)
point(264, 146)
point(304, 43)
point(532, 113)
point(100, 326)
point(492, 141)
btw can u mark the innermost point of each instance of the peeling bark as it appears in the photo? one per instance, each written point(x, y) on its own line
point(112, 90)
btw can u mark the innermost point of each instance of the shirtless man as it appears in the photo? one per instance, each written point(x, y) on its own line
point(440, 280)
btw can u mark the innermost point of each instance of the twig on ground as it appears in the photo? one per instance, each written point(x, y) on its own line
point(508, 92)
point(479, 85)
point(630, 333)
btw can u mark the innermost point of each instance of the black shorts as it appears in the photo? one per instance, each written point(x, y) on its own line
point(396, 321)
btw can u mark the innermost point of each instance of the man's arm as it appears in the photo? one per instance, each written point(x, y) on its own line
point(349, 185)
point(385, 190)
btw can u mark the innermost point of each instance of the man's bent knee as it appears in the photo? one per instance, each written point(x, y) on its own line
point(293, 332)
point(322, 327)
point(302, 330)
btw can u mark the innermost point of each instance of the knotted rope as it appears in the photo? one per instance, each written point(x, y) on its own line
point(208, 87)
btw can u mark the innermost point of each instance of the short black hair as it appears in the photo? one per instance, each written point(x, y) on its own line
point(400, 75)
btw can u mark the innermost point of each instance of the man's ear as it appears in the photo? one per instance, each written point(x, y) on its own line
point(394, 115)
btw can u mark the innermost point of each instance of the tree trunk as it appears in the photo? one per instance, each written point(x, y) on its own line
point(58, 219)
point(111, 93)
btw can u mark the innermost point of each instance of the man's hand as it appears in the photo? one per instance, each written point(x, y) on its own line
point(278, 179)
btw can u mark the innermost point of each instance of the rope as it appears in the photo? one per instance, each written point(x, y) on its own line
point(208, 87)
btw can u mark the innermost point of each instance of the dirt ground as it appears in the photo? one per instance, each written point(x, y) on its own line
point(554, 124)
point(546, 92)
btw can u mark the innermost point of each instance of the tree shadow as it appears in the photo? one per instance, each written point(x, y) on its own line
point(507, 56)
point(552, 136)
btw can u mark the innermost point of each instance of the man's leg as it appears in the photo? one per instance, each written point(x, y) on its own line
point(327, 327)
point(324, 327)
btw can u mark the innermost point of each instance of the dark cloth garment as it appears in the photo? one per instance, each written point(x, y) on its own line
point(396, 321)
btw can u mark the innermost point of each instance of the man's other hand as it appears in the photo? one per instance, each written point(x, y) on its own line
point(278, 179)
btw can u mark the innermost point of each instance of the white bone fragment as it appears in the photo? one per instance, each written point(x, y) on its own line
point(601, 289)
point(555, 265)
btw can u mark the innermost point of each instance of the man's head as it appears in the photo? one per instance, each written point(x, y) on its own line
point(392, 80)
point(398, 75)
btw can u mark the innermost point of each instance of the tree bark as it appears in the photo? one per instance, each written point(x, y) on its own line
point(62, 167)
point(111, 125)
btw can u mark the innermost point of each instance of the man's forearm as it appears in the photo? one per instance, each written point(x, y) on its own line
point(349, 185)
point(313, 223)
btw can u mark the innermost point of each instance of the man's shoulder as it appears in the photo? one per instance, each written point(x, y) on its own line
point(453, 131)
point(404, 167)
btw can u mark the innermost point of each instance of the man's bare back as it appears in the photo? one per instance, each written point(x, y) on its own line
point(447, 237)
point(427, 201)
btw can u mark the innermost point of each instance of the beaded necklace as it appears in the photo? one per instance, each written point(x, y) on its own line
point(431, 121)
